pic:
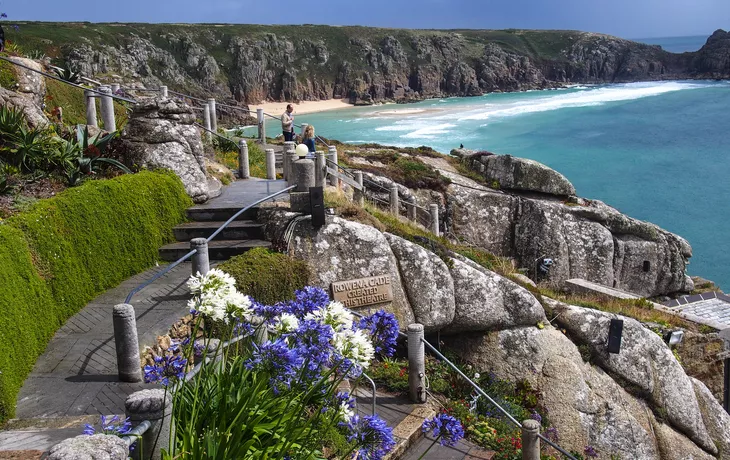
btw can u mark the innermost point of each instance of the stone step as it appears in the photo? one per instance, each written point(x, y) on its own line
point(217, 249)
point(236, 230)
point(208, 214)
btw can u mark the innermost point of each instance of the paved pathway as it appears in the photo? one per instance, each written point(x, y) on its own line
point(242, 193)
point(76, 376)
point(710, 308)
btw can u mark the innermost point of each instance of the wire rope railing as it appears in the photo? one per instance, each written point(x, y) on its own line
point(57, 78)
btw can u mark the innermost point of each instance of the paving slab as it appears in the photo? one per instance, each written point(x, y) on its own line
point(76, 375)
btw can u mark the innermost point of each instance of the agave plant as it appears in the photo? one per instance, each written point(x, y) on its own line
point(83, 155)
point(68, 75)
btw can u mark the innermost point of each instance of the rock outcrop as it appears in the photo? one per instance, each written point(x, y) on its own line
point(28, 94)
point(645, 362)
point(513, 173)
point(161, 134)
point(530, 217)
point(638, 404)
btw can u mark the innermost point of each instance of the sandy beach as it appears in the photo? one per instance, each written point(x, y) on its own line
point(277, 108)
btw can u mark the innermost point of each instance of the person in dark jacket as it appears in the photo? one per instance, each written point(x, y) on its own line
point(308, 139)
point(2, 38)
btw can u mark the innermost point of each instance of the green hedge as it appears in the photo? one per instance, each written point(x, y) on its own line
point(64, 251)
point(266, 276)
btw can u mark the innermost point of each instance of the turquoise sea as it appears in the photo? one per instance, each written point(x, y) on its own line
point(656, 151)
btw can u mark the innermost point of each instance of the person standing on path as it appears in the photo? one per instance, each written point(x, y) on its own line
point(309, 139)
point(287, 123)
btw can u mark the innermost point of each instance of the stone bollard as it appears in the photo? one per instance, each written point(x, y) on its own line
point(109, 447)
point(285, 166)
point(394, 200)
point(332, 156)
point(320, 168)
point(163, 91)
point(262, 125)
point(261, 334)
point(200, 260)
point(213, 114)
point(126, 343)
point(303, 173)
point(416, 364)
point(411, 207)
point(115, 87)
point(243, 166)
point(155, 406)
point(358, 196)
point(107, 109)
point(270, 164)
point(434, 208)
point(206, 118)
point(91, 108)
point(530, 441)
point(291, 157)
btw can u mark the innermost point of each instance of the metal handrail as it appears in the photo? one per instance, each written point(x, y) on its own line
point(190, 254)
point(54, 77)
point(215, 133)
point(137, 432)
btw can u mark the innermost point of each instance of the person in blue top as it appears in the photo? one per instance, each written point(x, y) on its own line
point(308, 139)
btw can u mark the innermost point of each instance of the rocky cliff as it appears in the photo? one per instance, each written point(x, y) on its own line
point(248, 63)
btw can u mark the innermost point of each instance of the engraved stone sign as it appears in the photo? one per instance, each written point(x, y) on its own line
point(363, 291)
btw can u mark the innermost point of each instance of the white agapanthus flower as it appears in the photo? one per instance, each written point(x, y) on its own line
point(345, 412)
point(215, 280)
point(335, 314)
point(286, 322)
point(239, 305)
point(213, 305)
point(354, 345)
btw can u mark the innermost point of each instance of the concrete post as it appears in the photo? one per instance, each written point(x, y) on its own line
point(304, 128)
point(394, 200)
point(206, 118)
point(126, 343)
point(262, 125)
point(358, 196)
point(163, 91)
point(416, 364)
point(91, 108)
point(332, 151)
point(303, 173)
point(201, 263)
point(107, 446)
point(434, 219)
point(270, 164)
point(115, 87)
point(411, 207)
point(243, 167)
point(530, 441)
point(107, 109)
point(290, 156)
point(213, 114)
point(261, 333)
point(285, 166)
point(320, 168)
point(155, 406)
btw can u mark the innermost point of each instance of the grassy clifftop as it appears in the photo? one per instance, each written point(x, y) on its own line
point(250, 63)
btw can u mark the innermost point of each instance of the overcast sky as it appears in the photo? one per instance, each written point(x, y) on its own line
point(625, 18)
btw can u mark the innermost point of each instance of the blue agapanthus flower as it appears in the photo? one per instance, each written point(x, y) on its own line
point(278, 360)
point(372, 434)
point(313, 344)
point(384, 330)
point(307, 300)
point(165, 367)
point(114, 426)
point(445, 428)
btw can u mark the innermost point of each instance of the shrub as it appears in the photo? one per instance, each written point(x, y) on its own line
point(65, 250)
point(267, 276)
